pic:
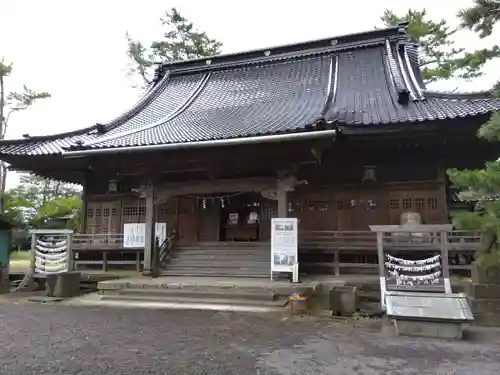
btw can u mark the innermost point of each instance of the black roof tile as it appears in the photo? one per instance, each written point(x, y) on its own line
point(360, 80)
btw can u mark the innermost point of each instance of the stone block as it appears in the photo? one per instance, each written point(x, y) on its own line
point(322, 299)
point(485, 275)
point(445, 330)
point(485, 306)
point(63, 285)
point(343, 300)
point(487, 320)
point(482, 291)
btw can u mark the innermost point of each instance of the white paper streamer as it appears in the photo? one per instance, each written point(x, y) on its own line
point(431, 276)
point(50, 244)
point(413, 262)
point(52, 266)
point(51, 257)
point(51, 250)
point(416, 282)
point(421, 268)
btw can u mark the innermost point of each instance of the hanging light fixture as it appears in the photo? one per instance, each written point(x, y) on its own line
point(369, 174)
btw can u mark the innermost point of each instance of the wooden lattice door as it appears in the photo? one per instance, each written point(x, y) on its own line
point(313, 209)
point(103, 217)
point(357, 209)
point(429, 203)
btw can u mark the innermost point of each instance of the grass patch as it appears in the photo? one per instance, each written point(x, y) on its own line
point(20, 255)
point(19, 261)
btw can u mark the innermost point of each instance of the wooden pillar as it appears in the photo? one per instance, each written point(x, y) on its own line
point(83, 213)
point(282, 199)
point(149, 240)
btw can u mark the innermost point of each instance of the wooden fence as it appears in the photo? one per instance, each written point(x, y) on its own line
point(324, 252)
point(331, 252)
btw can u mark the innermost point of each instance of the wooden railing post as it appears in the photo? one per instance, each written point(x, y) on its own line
point(445, 261)
point(71, 255)
point(381, 267)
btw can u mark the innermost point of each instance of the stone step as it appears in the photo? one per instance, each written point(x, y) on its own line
point(232, 245)
point(220, 269)
point(220, 258)
point(192, 272)
point(279, 303)
point(241, 253)
point(222, 293)
point(229, 250)
point(236, 264)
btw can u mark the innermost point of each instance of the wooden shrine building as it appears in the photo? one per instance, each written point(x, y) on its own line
point(341, 133)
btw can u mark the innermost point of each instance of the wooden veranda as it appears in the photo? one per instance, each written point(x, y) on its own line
point(335, 253)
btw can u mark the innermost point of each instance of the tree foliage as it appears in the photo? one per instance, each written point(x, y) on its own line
point(481, 17)
point(39, 202)
point(181, 41)
point(10, 103)
point(482, 185)
point(441, 57)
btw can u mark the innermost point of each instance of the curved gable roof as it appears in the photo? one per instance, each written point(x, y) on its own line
point(357, 80)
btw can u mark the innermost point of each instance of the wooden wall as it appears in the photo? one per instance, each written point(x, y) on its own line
point(355, 207)
point(334, 198)
point(344, 208)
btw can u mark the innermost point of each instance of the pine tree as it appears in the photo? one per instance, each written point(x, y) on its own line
point(481, 17)
point(483, 185)
point(10, 103)
point(181, 41)
point(441, 58)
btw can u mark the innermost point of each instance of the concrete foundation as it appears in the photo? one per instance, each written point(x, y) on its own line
point(485, 275)
point(4, 280)
point(445, 330)
point(484, 295)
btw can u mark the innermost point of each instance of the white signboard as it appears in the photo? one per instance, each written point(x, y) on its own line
point(284, 244)
point(134, 234)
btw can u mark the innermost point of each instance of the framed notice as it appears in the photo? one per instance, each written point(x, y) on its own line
point(134, 234)
point(284, 244)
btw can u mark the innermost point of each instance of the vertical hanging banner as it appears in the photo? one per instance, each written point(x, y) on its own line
point(134, 234)
point(284, 244)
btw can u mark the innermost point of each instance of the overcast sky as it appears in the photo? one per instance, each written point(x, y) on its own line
point(76, 49)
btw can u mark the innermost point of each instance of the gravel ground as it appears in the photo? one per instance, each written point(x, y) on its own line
point(58, 339)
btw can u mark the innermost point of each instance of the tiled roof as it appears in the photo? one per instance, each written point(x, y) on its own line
point(357, 80)
point(46, 145)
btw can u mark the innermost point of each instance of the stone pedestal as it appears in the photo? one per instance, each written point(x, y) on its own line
point(63, 285)
point(343, 300)
point(484, 295)
point(444, 330)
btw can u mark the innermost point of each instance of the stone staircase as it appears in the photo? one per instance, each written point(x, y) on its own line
point(205, 293)
point(222, 259)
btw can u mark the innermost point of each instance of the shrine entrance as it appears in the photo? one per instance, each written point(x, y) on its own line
point(237, 217)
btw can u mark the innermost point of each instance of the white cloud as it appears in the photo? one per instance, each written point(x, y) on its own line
point(76, 49)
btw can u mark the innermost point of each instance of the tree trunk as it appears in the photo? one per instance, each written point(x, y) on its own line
point(3, 181)
point(3, 125)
